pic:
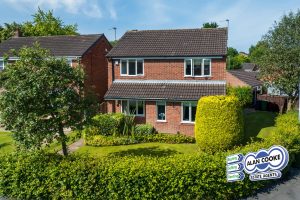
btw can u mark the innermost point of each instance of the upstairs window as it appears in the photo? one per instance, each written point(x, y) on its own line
point(132, 67)
point(197, 67)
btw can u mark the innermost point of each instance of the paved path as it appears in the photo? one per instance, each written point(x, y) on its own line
point(288, 189)
point(73, 147)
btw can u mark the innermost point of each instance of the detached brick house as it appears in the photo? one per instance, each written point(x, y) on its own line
point(88, 50)
point(159, 75)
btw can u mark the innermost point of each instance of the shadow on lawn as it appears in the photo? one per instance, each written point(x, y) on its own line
point(146, 151)
point(4, 144)
point(256, 121)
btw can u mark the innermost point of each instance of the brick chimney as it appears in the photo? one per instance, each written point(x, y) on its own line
point(17, 33)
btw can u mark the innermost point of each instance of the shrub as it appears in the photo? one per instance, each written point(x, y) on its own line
point(219, 123)
point(99, 140)
point(144, 129)
point(287, 132)
point(106, 124)
point(244, 94)
point(50, 176)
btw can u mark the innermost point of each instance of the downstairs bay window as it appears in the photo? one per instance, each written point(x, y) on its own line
point(133, 107)
point(188, 110)
point(197, 67)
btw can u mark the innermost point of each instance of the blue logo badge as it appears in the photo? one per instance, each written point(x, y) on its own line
point(261, 165)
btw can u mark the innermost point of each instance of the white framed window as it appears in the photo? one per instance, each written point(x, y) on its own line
point(132, 67)
point(188, 111)
point(161, 111)
point(133, 107)
point(69, 61)
point(2, 65)
point(197, 67)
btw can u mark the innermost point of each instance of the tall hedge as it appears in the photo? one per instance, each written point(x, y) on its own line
point(244, 94)
point(219, 123)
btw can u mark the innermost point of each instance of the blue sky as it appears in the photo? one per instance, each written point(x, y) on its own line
point(249, 19)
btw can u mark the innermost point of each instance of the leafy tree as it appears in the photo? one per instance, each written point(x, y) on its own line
point(42, 96)
point(210, 25)
point(43, 24)
point(8, 30)
point(232, 52)
point(234, 59)
point(114, 43)
point(280, 60)
point(255, 52)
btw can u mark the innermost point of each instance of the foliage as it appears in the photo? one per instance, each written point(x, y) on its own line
point(114, 42)
point(129, 125)
point(43, 24)
point(280, 61)
point(8, 30)
point(219, 123)
point(50, 176)
point(244, 94)
point(256, 52)
point(210, 25)
point(234, 59)
point(99, 140)
point(232, 52)
point(42, 96)
point(106, 124)
point(144, 129)
point(287, 131)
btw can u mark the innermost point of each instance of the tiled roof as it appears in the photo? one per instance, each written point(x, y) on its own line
point(249, 67)
point(251, 78)
point(63, 45)
point(169, 43)
point(167, 90)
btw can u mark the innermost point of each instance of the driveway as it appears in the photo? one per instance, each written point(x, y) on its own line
point(287, 189)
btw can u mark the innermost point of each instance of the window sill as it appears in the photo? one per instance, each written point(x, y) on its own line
point(208, 76)
point(163, 121)
point(185, 122)
point(131, 75)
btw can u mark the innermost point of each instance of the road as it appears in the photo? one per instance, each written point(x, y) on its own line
point(288, 189)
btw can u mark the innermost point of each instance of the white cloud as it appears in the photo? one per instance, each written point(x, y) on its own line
point(87, 7)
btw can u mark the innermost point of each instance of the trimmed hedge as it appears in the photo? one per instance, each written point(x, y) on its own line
point(144, 129)
point(105, 124)
point(244, 94)
point(219, 123)
point(100, 140)
point(50, 176)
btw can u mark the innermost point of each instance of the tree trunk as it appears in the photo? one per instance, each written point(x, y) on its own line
point(63, 139)
point(291, 104)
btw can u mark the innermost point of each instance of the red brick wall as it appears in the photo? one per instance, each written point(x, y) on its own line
point(95, 66)
point(173, 117)
point(170, 70)
point(234, 81)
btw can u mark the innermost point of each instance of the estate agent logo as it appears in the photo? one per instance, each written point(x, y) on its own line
point(261, 165)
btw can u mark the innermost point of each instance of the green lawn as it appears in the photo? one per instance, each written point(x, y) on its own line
point(144, 149)
point(259, 121)
point(6, 143)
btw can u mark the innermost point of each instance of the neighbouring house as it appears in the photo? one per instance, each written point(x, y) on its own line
point(88, 50)
point(246, 76)
point(159, 75)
